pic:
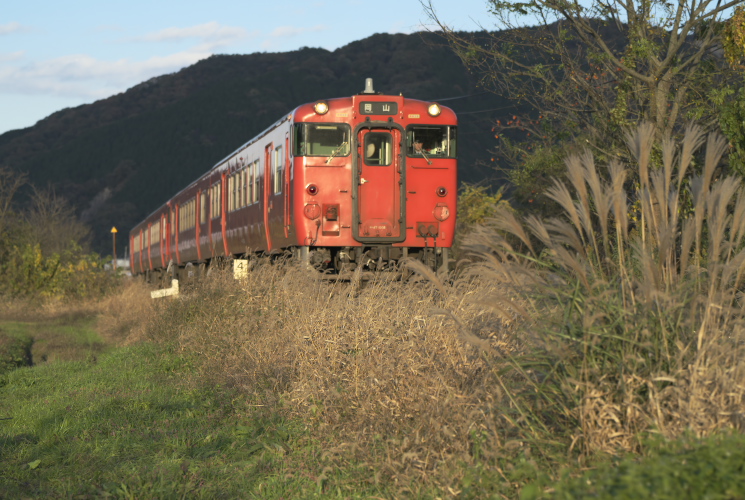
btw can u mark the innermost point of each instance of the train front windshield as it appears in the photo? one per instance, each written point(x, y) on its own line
point(432, 140)
point(322, 139)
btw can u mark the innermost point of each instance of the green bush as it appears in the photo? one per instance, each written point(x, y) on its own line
point(71, 274)
point(712, 468)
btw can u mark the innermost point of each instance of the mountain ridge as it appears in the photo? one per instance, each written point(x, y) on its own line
point(119, 158)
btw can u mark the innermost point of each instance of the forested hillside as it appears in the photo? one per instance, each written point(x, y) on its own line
point(117, 159)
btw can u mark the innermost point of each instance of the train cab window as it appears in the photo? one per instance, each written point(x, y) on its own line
point(378, 149)
point(321, 139)
point(432, 141)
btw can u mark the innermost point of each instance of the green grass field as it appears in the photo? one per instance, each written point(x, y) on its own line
point(136, 424)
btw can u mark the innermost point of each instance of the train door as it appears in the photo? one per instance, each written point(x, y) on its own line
point(163, 240)
point(202, 224)
point(133, 249)
point(287, 195)
point(277, 195)
point(267, 198)
point(141, 247)
point(224, 209)
point(148, 237)
point(214, 223)
point(177, 227)
point(171, 233)
point(379, 186)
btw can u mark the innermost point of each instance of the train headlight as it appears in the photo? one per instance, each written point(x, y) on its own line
point(441, 212)
point(434, 109)
point(312, 211)
point(321, 107)
point(442, 191)
point(312, 189)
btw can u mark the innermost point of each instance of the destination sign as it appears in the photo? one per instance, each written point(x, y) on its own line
point(378, 108)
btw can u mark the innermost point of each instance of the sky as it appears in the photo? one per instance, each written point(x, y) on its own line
point(55, 55)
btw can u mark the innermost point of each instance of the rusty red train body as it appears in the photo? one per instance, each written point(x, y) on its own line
point(341, 183)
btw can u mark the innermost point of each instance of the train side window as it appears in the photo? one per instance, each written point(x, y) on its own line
point(237, 191)
point(277, 169)
point(321, 139)
point(250, 183)
point(242, 189)
point(215, 200)
point(378, 149)
point(230, 193)
point(257, 180)
point(234, 191)
point(187, 215)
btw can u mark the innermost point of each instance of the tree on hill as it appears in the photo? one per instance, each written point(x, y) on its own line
point(590, 70)
point(43, 247)
point(10, 183)
point(730, 99)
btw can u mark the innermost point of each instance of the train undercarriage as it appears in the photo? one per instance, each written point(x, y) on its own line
point(329, 262)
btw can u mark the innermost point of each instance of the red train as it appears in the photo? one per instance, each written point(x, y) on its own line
point(341, 183)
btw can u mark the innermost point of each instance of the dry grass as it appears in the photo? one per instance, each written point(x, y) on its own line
point(119, 315)
point(637, 320)
point(18, 309)
point(122, 315)
point(382, 367)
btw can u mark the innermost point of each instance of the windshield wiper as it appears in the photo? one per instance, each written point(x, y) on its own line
point(429, 162)
point(336, 152)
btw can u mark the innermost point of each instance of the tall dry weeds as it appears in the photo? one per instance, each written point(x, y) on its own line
point(380, 365)
point(120, 316)
point(635, 320)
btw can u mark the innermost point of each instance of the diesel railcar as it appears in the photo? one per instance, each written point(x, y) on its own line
point(340, 183)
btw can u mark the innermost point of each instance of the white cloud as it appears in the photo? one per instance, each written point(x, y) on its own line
point(12, 56)
point(85, 77)
point(211, 35)
point(290, 31)
point(7, 29)
point(282, 33)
